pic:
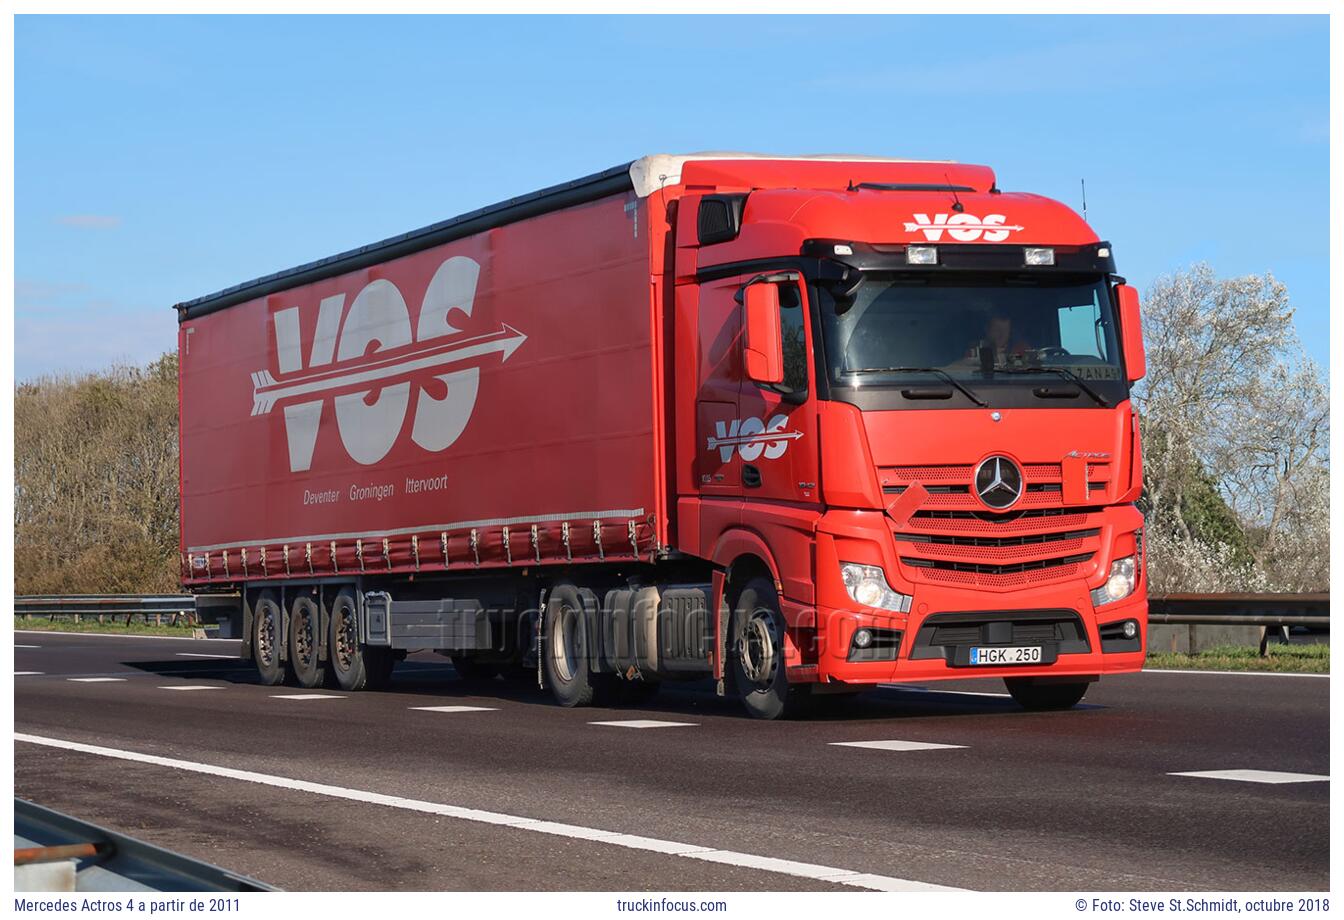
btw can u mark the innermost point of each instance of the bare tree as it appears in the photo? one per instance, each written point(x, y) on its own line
point(1235, 419)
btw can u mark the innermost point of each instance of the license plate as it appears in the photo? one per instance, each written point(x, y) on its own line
point(1006, 654)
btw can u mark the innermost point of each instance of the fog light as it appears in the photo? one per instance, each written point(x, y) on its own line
point(921, 255)
point(863, 638)
point(1040, 256)
point(1130, 629)
point(844, 249)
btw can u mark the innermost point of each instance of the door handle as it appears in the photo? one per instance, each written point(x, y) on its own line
point(751, 476)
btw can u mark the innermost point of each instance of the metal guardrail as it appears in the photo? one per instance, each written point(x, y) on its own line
point(79, 856)
point(155, 606)
point(1240, 609)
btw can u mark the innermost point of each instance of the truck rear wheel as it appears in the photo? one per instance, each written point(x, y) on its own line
point(304, 632)
point(756, 654)
point(1041, 697)
point(354, 666)
point(565, 652)
point(268, 631)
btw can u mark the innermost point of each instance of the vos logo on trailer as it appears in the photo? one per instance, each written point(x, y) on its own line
point(753, 437)
point(965, 228)
point(338, 368)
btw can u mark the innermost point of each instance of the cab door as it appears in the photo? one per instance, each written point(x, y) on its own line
point(776, 434)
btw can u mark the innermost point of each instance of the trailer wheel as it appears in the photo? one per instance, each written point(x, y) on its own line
point(756, 654)
point(565, 652)
point(268, 630)
point(304, 634)
point(345, 657)
point(1043, 697)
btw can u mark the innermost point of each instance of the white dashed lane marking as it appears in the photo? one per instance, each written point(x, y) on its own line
point(306, 696)
point(678, 849)
point(191, 687)
point(27, 646)
point(897, 745)
point(1273, 777)
point(455, 708)
point(27, 673)
point(646, 723)
point(96, 680)
point(204, 655)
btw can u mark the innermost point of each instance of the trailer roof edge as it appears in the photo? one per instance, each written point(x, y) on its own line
point(589, 188)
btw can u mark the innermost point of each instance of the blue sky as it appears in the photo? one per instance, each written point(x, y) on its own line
point(158, 159)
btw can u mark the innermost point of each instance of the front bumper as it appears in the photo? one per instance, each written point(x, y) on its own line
point(944, 622)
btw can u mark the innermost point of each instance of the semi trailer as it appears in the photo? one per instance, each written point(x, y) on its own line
point(797, 426)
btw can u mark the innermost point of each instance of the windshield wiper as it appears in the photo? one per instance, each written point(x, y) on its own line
point(1061, 371)
point(942, 374)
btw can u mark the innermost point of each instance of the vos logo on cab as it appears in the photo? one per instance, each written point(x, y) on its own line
point(752, 437)
point(966, 228)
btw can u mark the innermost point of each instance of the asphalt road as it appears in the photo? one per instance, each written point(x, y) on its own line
point(1079, 800)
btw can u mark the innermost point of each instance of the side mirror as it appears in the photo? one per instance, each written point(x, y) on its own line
point(1131, 329)
point(763, 351)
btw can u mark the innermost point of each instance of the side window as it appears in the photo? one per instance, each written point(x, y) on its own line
point(792, 323)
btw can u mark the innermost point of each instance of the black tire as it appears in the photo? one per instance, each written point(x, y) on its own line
point(756, 663)
point(565, 648)
point(473, 669)
point(305, 633)
point(345, 656)
point(268, 631)
point(1044, 697)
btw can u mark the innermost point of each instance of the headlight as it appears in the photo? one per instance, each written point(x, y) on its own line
point(867, 585)
point(1119, 583)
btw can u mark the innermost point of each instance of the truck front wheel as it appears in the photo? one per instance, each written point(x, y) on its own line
point(565, 651)
point(268, 631)
point(1041, 697)
point(756, 654)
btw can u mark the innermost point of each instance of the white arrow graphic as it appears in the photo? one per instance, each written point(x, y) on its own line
point(911, 227)
point(266, 391)
point(765, 437)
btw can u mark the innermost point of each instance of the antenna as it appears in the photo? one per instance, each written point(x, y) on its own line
point(956, 202)
point(1083, 183)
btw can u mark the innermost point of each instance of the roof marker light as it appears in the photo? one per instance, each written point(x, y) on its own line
point(921, 255)
point(1040, 256)
point(844, 249)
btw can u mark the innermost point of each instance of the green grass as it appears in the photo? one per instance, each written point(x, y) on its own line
point(138, 626)
point(1304, 659)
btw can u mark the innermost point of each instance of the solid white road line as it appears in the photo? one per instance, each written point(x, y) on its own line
point(306, 696)
point(96, 680)
point(1227, 673)
point(646, 723)
point(27, 673)
point(1272, 777)
point(192, 687)
point(831, 874)
point(202, 655)
point(98, 635)
point(455, 708)
point(897, 745)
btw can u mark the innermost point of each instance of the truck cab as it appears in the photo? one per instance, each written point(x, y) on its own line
point(911, 407)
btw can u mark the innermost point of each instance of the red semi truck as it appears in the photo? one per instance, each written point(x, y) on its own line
point(801, 425)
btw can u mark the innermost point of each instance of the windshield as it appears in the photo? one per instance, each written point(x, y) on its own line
point(1005, 340)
